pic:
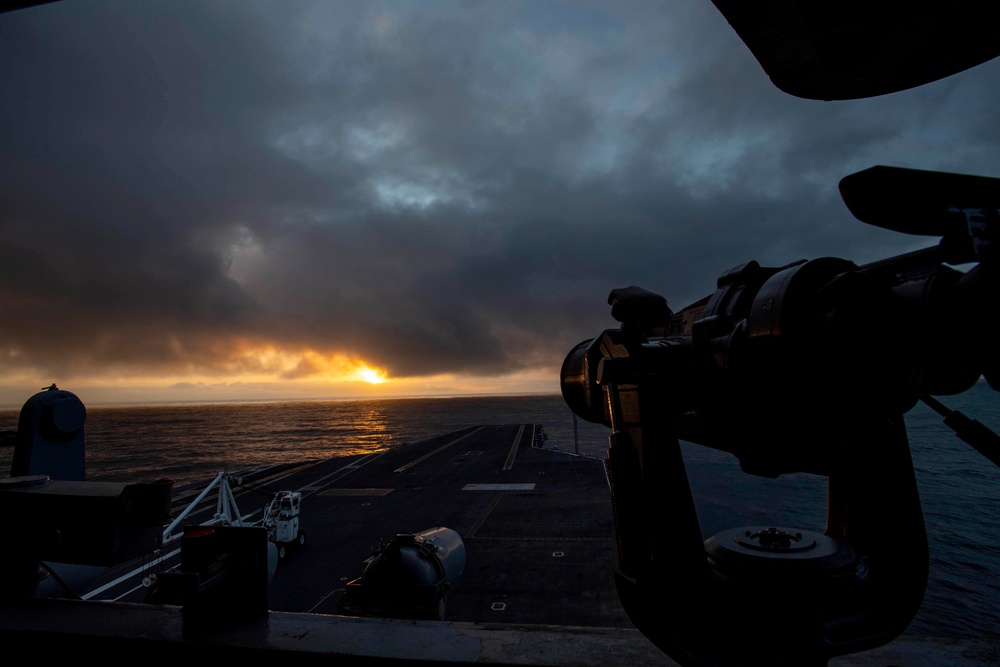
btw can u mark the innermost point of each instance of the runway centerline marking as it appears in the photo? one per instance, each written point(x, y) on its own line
point(509, 463)
point(357, 492)
point(439, 449)
point(340, 473)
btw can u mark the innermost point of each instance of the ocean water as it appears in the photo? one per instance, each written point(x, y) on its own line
point(960, 489)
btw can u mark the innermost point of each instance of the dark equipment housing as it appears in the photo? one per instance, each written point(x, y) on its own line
point(807, 367)
point(408, 577)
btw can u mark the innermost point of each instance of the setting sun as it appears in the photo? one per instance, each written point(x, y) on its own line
point(372, 375)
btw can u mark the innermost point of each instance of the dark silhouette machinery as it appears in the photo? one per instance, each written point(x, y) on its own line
point(808, 367)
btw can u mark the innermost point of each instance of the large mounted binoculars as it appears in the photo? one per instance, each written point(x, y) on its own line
point(807, 367)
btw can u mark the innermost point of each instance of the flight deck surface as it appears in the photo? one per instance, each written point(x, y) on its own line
point(536, 525)
point(538, 586)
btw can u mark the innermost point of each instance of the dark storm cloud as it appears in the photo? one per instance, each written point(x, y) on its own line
point(435, 187)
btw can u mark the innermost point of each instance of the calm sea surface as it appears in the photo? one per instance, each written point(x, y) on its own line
point(960, 489)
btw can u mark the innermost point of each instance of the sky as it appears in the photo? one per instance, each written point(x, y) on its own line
point(251, 200)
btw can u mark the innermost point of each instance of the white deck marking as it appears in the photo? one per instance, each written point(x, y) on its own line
point(509, 463)
point(128, 575)
point(439, 449)
point(356, 492)
point(530, 486)
point(343, 471)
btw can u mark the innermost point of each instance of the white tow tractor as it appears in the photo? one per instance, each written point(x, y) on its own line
point(281, 519)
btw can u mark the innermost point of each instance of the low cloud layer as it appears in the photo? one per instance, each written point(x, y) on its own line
point(433, 187)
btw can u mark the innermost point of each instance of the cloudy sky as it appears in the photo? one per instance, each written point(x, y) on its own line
point(246, 199)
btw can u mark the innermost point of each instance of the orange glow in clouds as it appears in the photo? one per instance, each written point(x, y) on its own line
point(255, 370)
point(313, 365)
